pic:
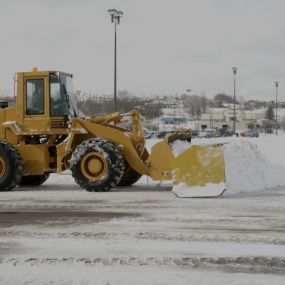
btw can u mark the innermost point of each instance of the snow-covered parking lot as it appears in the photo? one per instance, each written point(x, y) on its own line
point(60, 234)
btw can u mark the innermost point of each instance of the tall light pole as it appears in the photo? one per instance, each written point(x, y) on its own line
point(188, 92)
point(234, 123)
point(276, 106)
point(115, 18)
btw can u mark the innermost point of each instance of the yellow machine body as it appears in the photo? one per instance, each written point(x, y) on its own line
point(46, 141)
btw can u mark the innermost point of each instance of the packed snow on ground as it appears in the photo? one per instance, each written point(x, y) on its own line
point(61, 234)
point(208, 190)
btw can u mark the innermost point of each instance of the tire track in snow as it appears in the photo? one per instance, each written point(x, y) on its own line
point(236, 238)
point(252, 264)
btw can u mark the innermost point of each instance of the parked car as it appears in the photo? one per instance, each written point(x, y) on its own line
point(209, 133)
point(159, 135)
point(251, 133)
point(149, 134)
point(146, 132)
point(194, 134)
point(227, 133)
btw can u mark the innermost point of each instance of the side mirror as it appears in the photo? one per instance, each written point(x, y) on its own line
point(65, 120)
point(3, 105)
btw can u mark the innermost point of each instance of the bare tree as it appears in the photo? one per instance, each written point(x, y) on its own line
point(195, 105)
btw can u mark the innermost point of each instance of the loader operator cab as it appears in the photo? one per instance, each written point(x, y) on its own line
point(45, 100)
point(62, 96)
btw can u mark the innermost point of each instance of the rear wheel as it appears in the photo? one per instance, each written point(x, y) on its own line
point(97, 165)
point(11, 167)
point(34, 180)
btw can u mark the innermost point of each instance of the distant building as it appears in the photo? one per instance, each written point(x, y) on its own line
point(169, 123)
point(222, 118)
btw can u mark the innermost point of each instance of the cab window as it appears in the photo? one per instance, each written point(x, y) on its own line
point(35, 96)
point(58, 104)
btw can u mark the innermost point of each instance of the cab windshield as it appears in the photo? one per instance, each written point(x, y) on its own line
point(62, 95)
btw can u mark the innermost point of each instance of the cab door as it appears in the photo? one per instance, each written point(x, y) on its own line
point(36, 104)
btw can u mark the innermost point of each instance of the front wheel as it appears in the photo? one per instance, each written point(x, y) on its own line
point(97, 165)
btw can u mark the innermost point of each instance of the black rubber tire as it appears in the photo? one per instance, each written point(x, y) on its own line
point(130, 177)
point(115, 165)
point(34, 180)
point(13, 167)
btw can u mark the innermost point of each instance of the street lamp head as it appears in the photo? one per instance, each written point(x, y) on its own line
point(112, 11)
point(188, 90)
point(276, 83)
point(234, 70)
point(115, 14)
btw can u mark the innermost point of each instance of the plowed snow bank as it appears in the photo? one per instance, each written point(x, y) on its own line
point(247, 169)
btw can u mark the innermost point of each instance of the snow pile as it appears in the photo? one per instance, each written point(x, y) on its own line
point(272, 147)
point(247, 170)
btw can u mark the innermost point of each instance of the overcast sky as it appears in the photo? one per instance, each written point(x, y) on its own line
point(164, 46)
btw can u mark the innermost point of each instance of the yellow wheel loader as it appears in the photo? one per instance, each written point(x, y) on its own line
point(43, 133)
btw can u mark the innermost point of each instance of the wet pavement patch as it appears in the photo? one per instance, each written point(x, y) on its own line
point(56, 217)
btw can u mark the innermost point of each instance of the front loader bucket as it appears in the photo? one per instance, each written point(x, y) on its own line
point(199, 172)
